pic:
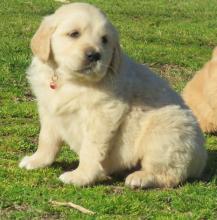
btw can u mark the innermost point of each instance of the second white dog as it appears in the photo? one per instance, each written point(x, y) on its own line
point(114, 113)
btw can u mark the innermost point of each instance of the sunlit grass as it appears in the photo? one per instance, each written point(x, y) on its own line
point(174, 38)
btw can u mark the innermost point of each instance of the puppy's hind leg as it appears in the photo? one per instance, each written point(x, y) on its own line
point(170, 149)
point(144, 179)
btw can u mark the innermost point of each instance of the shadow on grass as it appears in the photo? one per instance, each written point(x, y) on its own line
point(115, 178)
point(210, 171)
point(209, 174)
point(65, 165)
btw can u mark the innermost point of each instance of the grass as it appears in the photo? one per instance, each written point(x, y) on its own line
point(174, 38)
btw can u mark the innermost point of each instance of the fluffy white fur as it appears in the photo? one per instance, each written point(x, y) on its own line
point(115, 114)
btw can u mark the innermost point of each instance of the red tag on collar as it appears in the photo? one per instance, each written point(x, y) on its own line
point(53, 85)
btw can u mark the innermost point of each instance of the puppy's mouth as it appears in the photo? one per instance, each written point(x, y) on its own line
point(87, 69)
point(91, 72)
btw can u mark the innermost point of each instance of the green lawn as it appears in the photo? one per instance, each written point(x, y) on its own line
point(174, 38)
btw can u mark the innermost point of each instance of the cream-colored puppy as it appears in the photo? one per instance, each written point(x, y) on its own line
point(114, 113)
point(200, 94)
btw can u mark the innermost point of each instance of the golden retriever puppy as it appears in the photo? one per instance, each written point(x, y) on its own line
point(200, 94)
point(114, 113)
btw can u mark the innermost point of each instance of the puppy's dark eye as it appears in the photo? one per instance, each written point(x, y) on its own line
point(104, 39)
point(75, 34)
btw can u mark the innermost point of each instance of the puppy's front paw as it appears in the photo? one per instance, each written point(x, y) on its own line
point(32, 162)
point(76, 178)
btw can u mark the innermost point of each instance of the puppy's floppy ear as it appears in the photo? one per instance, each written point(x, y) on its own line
point(116, 58)
point(40, 43)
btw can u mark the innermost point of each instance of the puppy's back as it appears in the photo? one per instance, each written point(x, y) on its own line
point(200, 94)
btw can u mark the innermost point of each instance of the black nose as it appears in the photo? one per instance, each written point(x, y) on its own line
point(93, 56)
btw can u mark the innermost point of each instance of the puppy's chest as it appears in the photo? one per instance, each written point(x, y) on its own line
point(64, 100)
point(70, 107)
point(71, 126)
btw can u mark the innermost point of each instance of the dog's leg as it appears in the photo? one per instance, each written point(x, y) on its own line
point(143, 179)
point(170, 149)
point(101, 129)
point(48, 147)
point(90, 168)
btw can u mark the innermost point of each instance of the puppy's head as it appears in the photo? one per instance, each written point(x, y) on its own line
point(81, 40)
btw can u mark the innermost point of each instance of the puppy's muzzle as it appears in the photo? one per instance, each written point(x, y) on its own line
point(92, 56)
